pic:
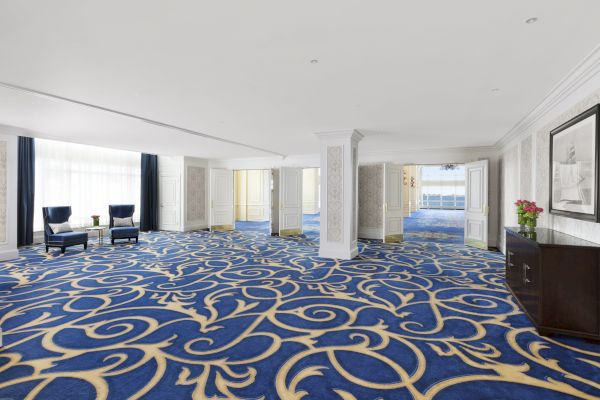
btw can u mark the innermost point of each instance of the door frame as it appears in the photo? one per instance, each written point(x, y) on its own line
point(283, 205)
point(481, 214)
point(392, 213)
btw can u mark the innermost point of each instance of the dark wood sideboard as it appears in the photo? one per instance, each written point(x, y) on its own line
point(555, 278)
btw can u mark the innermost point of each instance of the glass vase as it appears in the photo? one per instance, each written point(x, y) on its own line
point(96, 221)
point(531, 224)
point(522, 222)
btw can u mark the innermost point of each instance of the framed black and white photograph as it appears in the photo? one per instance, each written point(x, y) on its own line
point(574, 167)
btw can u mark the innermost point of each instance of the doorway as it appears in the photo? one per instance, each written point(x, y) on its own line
point(311, 201)
point(252, 200)
point(434, 203)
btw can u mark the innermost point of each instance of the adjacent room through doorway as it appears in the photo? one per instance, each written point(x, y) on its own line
point(252, 200)
point(311, 202)
point(434, 203)
point(253, 191)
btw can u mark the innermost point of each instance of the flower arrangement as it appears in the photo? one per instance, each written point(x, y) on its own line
point(532, 212)
point(521, 204)
point(527, 214)
point(96, 220)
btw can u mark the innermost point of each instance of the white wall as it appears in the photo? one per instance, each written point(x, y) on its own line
point(252, 194)
point(8, 195)
point(525, 152)
point(310, 190)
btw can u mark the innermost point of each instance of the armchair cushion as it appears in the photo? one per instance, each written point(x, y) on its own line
point(124, 232)
point(118, 222)
point(67, 238)
point(120, 211)
point(60, 227)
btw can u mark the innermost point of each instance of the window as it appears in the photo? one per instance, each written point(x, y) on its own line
point(87, 178)
point(441, 188)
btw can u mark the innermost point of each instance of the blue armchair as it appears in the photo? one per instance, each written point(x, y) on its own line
point(57, 215)
point(122, 232)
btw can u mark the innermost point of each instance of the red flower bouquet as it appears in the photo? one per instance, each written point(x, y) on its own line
point(521, 204)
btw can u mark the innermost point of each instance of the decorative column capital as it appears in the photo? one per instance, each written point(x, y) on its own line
point(352, 134)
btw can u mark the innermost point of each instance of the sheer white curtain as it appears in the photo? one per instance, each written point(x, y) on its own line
point(87, 178)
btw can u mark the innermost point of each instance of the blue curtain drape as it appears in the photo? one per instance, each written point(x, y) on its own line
point(149, 201)
point(26, 190)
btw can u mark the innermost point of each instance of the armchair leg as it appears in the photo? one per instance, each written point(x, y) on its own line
point(62, 250)
point(112, 241)
point(85, 246)
point(47, 248)
point(136, 239)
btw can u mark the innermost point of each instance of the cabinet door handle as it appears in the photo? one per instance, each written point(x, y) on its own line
point(508, 262)
point(525, 269)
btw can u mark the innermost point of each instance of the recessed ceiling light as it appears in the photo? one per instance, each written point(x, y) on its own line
point(495, 90)
point(531, 20)
point(315, 61)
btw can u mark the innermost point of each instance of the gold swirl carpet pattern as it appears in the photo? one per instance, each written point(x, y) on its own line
point(247, 316)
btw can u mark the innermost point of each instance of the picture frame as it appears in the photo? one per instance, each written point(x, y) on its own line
point(575, 167)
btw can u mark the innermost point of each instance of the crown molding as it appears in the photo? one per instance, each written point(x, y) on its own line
point(429, 150)
point(353, 134)
point(588, 68)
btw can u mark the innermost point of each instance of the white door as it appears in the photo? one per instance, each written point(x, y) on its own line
point(476, 204)
point(290, 201)
point(221, 196)
point(393, 227)
point(169, 189)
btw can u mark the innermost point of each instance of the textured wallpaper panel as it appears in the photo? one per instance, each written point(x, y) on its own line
point(196, 194)
point(370, 196)
point(335, 210)
point(526, 169)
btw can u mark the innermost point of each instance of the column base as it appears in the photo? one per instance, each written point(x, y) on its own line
point(338, 253)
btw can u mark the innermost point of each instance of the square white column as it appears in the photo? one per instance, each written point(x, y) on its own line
point(339, 193)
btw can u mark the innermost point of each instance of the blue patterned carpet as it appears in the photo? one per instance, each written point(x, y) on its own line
point(442, 226)
point(244, 315)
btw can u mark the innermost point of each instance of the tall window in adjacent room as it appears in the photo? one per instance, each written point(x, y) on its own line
point(443, 187)
point(87, 178)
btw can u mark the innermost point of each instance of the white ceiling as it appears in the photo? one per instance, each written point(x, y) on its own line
point(408, 74)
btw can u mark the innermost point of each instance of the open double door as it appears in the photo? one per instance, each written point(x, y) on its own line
point(393, 220)
point(476, 204)
point(286, 201)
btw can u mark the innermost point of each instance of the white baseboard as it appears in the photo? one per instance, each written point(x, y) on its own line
point(195, 227)
point(338, 252)
point(9, 254)
point(370, 233)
